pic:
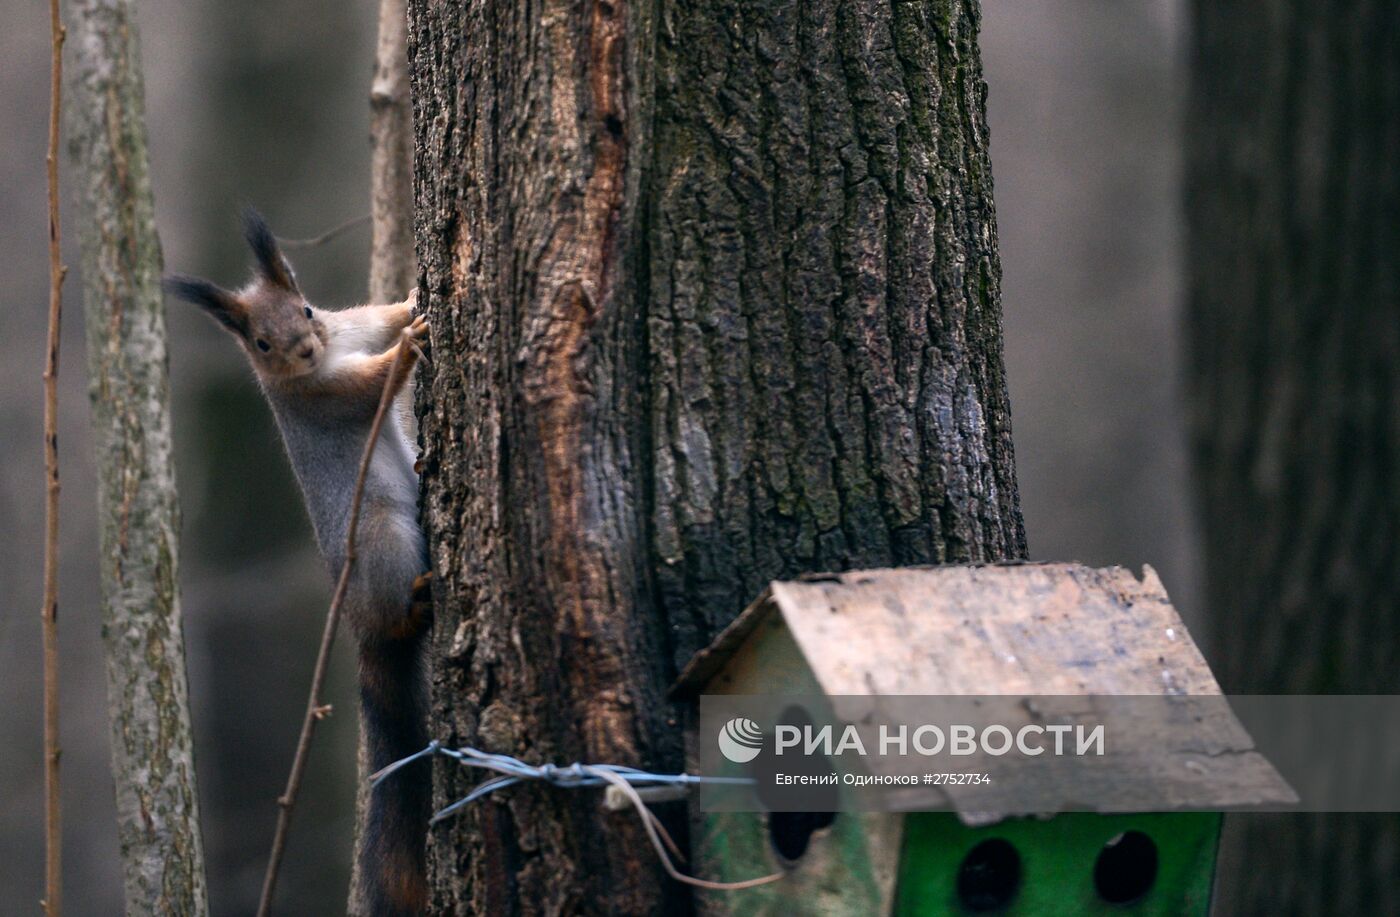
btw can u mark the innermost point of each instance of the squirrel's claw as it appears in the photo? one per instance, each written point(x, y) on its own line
point(416, 335)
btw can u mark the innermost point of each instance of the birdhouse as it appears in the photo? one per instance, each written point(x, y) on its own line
point(1136, 834)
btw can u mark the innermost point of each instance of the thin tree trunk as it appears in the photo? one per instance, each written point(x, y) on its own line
point(138, 512)
point(1294, 212)
point(715, 299)
point(391, 263)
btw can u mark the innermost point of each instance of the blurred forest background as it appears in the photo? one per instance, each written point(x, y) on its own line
point(266, 103)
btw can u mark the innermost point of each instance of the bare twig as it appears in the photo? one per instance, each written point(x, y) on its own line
point(391, 263)
point(53, 826)
point(315, 709)
point(328, 235)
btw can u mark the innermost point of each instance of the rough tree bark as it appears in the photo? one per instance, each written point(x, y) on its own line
point(715, 299)
point(391, 263)
point(138, 512)
point(1294, 213)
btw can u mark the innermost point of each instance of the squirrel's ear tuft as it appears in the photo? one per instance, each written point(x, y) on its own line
point(218, 302)
point(273, 266)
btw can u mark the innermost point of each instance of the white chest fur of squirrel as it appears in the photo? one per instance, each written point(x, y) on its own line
point(323, 373)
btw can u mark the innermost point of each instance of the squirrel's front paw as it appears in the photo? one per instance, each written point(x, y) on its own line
point(418, 329)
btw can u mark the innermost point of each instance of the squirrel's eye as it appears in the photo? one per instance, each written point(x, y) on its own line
point(308, 311)
point(263, 345)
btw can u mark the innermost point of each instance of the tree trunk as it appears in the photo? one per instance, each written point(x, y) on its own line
point(391, 266)
point(152, 747)
point(715, 299)
point(1294, 213)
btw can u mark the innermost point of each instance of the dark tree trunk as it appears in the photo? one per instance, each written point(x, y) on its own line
point(715, 299)
point(1294, 207)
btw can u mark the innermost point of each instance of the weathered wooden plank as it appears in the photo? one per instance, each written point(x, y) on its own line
point(1049, 629)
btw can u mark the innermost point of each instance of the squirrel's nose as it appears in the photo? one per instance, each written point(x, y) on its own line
point(307, 352)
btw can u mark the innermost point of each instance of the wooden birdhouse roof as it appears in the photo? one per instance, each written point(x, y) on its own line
point(1048, 629)
point(1007, 632)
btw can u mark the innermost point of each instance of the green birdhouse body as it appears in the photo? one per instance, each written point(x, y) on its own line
point(1014, 631)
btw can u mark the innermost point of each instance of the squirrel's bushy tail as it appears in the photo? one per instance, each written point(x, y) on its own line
point(392, 705)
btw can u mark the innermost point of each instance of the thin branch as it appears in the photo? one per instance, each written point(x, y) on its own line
point(391, 266)
point(315, 710)
point(53, 824)
point(328, 235)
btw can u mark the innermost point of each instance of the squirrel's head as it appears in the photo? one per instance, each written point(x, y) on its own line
point(271, 319)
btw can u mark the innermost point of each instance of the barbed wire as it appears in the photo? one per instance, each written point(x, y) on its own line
point(627, 781)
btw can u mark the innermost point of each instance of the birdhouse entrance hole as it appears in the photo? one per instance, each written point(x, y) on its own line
point(791, 832)
point(1126, 867)
point(989, 876)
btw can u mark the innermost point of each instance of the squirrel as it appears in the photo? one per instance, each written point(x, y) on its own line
point(323, 373)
